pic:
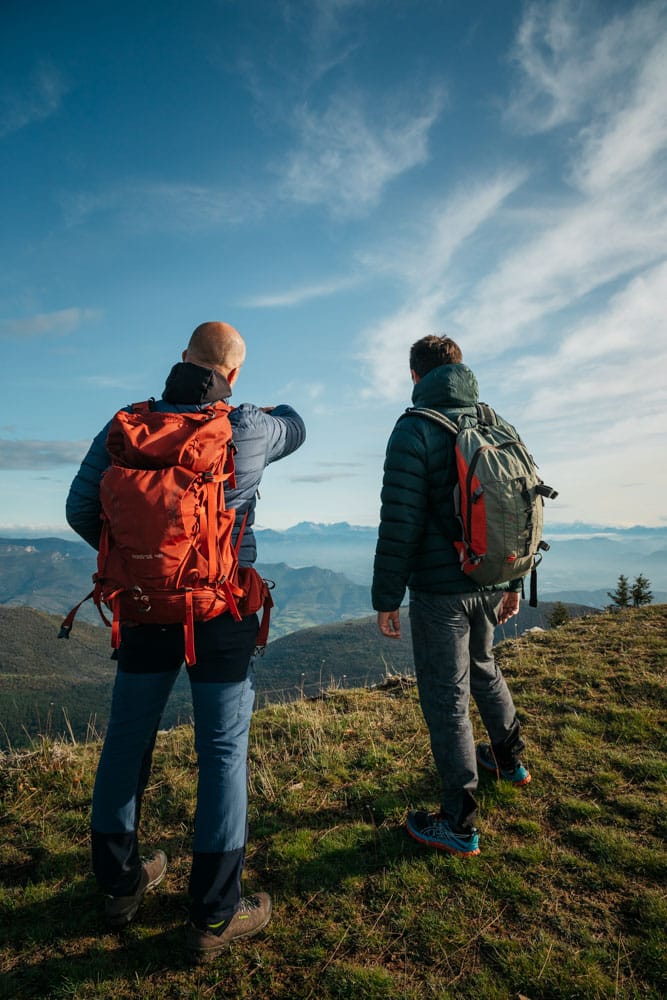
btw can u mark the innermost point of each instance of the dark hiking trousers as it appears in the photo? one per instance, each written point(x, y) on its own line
point(223, 695)
point(452, 638)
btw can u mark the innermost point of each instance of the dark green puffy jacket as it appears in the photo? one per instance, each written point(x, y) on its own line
point(417, 522)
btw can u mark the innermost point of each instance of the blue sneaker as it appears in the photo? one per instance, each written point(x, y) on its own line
point(434, 830)
point(518, 775)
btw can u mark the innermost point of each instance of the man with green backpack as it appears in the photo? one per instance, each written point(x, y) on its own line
point(460, 527)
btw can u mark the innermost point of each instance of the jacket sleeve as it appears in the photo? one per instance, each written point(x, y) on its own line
point(261, 438)
point(404, 501)
point(83, 508)
point(285, 432)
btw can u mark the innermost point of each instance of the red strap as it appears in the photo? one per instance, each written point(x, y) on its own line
point(103, 550)
point(115, 625)
point(97, 598)
point(231, 600)
point(66, 626)
point(237, 547)
point(263, 634)
point(189, 629)
point(211, 528)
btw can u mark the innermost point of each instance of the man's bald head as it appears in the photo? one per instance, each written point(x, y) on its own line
point(216, 345)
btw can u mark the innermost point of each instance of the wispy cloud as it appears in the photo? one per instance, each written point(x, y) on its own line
point(569, 60)
point(609, 364)
point(58, 323)
point(424, 269)
point(27, 455)
point(321, 477)
point(608, 225)
point(329, 33)
point(110, 381)
point(40, 98)
point(613, 219)
point(140, 206)
point(303, 293)
point(344, 157)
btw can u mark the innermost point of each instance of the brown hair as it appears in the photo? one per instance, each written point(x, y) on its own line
point(432, 352)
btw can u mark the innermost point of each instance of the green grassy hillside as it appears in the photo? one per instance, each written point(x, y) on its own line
point(51, 686)
point(566, 900)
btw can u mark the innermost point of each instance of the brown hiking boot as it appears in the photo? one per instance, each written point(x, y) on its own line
point(253, 914)
point(119, 910)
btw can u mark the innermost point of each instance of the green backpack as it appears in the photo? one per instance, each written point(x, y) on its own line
point(498, 499)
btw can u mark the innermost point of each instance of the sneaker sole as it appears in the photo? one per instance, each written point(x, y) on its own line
point(440, 846)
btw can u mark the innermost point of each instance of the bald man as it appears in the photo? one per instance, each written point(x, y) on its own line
point(149, 659)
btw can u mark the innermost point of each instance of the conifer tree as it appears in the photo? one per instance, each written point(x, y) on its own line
point(559, 615)
point(641, 591)
point(621, 596)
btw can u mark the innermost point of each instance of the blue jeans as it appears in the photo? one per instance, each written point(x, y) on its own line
point(223, 695)
point(452, 640)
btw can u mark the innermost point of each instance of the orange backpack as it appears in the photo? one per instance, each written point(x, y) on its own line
point(166, 552)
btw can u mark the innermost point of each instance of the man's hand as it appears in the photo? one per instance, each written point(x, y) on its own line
point(389, 623)
point(509, 606)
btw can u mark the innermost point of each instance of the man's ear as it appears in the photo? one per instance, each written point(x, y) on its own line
point(233, 374)
point(184, 355)
point(415, 376)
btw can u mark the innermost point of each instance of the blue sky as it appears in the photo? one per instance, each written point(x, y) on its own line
point(338, 178)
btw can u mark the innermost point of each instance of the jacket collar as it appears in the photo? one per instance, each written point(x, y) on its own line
point(447, 386)
point(188, 383)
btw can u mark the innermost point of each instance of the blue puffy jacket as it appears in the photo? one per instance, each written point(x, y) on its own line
point(260, 438)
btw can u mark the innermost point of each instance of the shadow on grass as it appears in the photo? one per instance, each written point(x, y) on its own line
point(64, 941)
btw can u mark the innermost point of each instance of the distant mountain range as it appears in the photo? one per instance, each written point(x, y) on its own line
point(322, 571)
point(582, 558)
point(53, 575)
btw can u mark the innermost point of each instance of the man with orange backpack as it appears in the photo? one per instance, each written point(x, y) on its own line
point(167, 495)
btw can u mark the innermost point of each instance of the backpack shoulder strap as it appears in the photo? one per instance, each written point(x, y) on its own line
point(486, 415)
point(433, 415)
point(145, 406)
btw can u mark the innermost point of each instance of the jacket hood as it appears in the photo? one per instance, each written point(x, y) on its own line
point(188, 383)
point(447, 387)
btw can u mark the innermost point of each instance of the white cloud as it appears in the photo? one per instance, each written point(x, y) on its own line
point(629, 141)
point(595, 409)
point(424, 269)
point(162, 206)
point(304, 293)
point(613, 220)
point(609, 365)
point(570, 60)
point(28, 455)
point(110, 381)
point(344, 160)
point(42, 324)
point(40, 98)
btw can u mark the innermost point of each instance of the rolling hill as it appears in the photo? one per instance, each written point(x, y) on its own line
point(57, 686)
